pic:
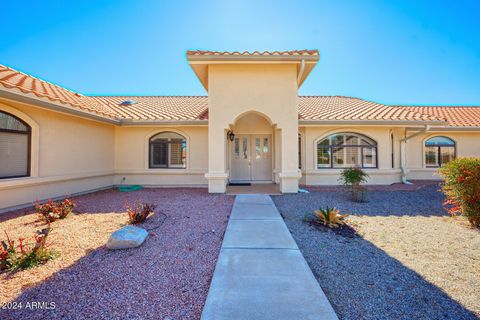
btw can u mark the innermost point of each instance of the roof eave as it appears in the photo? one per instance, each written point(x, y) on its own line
point(210, 59)
point(140, 122)
point(53, 106)
point(371, 122)
point(455, 128)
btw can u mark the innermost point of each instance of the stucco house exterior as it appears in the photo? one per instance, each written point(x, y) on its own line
point(252, 127)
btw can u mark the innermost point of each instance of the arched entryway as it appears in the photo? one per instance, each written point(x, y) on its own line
point(251, 152)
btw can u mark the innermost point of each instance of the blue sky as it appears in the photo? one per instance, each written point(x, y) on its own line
point(394, 52)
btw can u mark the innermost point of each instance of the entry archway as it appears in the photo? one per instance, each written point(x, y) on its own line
point(251, 153)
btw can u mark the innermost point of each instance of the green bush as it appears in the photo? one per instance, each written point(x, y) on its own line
point(351, 178)
point(461, 187)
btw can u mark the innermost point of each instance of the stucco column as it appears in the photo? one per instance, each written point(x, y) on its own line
point(290, 173)
point(217, 175)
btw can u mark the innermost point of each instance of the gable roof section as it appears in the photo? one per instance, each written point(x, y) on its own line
point(158, 107)
point(461, 116)
point(199, 60)
point(332, 108)
point(17, 81)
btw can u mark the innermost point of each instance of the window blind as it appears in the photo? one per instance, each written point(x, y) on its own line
point(13, 154)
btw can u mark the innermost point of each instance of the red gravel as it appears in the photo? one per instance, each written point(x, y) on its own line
point(168, 277)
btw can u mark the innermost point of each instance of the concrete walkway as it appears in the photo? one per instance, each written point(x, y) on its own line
point(260, 272)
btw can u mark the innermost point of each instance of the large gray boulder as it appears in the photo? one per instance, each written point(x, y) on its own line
point(127, 237)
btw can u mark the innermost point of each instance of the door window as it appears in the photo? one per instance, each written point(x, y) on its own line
point(245, 148)
point(266, 149)
point(257, 148)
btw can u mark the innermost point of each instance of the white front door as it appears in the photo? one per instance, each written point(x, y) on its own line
point(251, 158)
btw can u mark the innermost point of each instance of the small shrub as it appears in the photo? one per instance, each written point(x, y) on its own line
point(351, 178)
point(139, 212)
point(329, 217)
point(25, 255)
point(51, 211)
point(461, 187)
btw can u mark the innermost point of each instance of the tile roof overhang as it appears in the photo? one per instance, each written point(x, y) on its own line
point(193, 110)
point(338, 110)
point(199, 60)
point(457, 117)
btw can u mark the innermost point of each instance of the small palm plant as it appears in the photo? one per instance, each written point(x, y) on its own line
point(351, 178)
point(329, 217)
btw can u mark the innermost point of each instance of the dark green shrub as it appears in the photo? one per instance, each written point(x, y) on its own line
point(351, 178)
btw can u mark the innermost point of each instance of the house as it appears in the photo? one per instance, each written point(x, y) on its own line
point(251, 127)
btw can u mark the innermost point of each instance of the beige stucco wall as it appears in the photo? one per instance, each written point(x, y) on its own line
point(384, 174)
point(69, 155)
point(268, 89)
point(467, 145)
point(131, 157)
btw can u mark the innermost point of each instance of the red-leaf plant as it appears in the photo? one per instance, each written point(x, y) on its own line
point(25, 255)
point(139, 212)
point(51, 211)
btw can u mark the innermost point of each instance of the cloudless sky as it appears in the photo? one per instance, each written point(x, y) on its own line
point(393, 52)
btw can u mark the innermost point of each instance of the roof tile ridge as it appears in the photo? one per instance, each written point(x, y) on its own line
point(147, 96)
point(433, 106)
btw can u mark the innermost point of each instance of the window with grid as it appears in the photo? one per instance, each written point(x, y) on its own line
point(343, 150)
point(168, 150)
point(15, 137)
point(439, 151)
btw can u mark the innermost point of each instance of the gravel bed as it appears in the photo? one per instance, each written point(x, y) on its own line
point(410, 260)
point(168, 277)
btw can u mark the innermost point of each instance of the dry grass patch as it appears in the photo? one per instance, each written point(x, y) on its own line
point(445, 251)
point(73, 237)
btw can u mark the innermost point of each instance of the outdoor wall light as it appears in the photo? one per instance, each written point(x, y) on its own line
point(230, 135)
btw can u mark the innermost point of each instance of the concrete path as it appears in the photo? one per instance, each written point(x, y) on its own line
point(260, 273)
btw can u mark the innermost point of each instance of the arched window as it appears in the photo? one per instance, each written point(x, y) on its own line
point(15, 137)
point(168, 150)
point(342, 150)
point(438, 151)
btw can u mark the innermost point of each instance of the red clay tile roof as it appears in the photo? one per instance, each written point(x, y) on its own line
point(178, 108)
point(310, 108)
point(461, 116)
point(254, 53)
point(21, 82)
point(347, 108)
point(159, 107)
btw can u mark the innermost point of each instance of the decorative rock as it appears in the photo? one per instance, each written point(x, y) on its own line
point(127, 237)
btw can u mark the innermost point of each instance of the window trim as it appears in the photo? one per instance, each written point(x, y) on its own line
point(331, 147)
point(29, 144)
point(168, 143)
point(438, 147)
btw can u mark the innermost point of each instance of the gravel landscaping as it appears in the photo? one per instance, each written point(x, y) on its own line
point(409, 261)
point(168, 277)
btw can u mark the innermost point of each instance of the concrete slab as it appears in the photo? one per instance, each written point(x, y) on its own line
point(257, 234)
point(254, 199)
point(254, 211)
point(265, 284)
point(260, 273)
